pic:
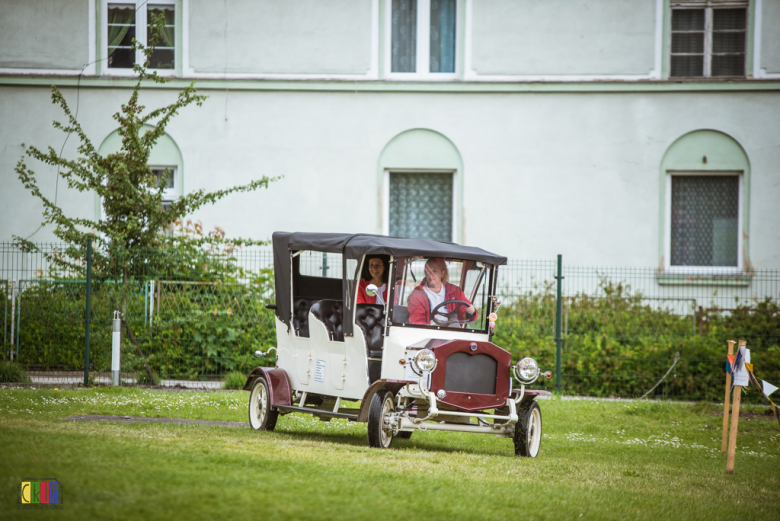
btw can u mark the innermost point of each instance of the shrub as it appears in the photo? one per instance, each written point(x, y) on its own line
point(234, 380)
point(11, 372)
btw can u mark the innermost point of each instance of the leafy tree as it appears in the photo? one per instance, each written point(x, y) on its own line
point(135, 220)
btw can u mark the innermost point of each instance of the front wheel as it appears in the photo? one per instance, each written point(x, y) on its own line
point(379, 435)
point(262, 417)
point(528, 430)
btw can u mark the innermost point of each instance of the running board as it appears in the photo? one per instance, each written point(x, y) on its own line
point(317, 412)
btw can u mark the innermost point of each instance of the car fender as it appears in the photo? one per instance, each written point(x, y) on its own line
point(278, 384)
point(530, 394)
point(380, 386)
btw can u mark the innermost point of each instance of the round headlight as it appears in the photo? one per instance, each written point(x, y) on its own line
point(424, 361)
point(527, 370)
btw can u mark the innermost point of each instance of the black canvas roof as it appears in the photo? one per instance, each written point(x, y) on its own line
point(354, 246)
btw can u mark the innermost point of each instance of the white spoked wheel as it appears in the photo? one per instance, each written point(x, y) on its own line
point(528, 430)
point(379, 434)
point(261, 416)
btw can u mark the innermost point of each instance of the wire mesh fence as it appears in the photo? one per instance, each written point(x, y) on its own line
point(194, 318)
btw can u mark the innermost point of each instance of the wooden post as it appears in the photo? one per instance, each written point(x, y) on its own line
point(725, 443)
point(734, 421)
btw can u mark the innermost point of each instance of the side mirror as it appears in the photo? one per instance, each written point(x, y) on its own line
point(372, 290)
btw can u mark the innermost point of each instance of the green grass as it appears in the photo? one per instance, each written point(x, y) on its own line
point(599, 460)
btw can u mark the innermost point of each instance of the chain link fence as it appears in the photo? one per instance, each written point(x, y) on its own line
point(194, 319)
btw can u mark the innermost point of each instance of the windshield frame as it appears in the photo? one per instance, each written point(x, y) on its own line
point(483, 298)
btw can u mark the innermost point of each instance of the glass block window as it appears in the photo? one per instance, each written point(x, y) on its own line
point(422, 36)
point(708, 42)
point(704, 221)
point(421, 206)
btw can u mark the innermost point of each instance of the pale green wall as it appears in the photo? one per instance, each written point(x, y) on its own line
point(420, 150)
point(533, 37)
point(44, 34)
point(272, 36)
point(770, 36)
point(722, 153)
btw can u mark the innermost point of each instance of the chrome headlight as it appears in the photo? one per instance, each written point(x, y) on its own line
point(527, 370)
point(424, 361)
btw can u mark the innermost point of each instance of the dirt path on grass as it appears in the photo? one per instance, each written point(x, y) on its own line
point(147, 419)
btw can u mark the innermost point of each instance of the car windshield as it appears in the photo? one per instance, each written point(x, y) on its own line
point(438, 292)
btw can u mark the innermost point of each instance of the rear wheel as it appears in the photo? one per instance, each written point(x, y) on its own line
point(262, 417)
point(528, 430)
point(379, 435)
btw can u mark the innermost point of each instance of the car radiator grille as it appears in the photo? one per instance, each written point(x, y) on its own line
point(467, 373)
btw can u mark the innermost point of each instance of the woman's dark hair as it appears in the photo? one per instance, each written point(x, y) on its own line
point(366, 275)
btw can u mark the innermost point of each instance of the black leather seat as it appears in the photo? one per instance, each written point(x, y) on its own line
point(301, 306)
point(370, 319)
point(330, 313)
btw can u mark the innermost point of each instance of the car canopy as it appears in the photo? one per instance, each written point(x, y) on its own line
point(355, 246)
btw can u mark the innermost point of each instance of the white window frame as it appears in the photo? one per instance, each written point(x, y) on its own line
point(140, 34)
point(423, 46)
point(708, 7)
point(702, 270)
point(170, 194)
point(386, 196)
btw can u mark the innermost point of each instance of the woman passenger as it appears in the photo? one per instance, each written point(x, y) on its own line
point(375, 271)
point(435, 289)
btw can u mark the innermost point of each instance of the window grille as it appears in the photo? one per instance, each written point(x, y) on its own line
point(708, 41)
point(704, 219)
point(421, 206)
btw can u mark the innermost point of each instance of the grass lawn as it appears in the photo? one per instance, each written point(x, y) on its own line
point(599, 460)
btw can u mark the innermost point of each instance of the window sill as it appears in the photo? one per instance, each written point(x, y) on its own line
point(700, 279)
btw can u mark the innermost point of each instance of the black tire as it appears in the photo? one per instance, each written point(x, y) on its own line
point(262, 415)
point(380, 405)
point(528, 430)
point(404, 435)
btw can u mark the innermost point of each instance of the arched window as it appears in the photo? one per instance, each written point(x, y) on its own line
point(164, 160)
point(705, 176)
point(421, 175)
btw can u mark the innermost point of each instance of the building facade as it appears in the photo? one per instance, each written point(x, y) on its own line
point(614, 132)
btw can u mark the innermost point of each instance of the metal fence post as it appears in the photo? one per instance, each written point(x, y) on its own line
point(558, 309)
point(116, 343)
point(5, 321)
point(88, 319)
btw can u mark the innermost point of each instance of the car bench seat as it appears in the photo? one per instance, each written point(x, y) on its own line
point(370, 319)
point(301, 306)
point(330, 313)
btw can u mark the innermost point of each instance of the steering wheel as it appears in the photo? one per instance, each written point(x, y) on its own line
point(445, 318)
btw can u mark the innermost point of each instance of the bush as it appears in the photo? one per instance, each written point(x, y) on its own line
point(234, 380)
point(11, 372)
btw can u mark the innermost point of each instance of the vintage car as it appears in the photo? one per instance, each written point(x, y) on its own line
point(410, 364)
